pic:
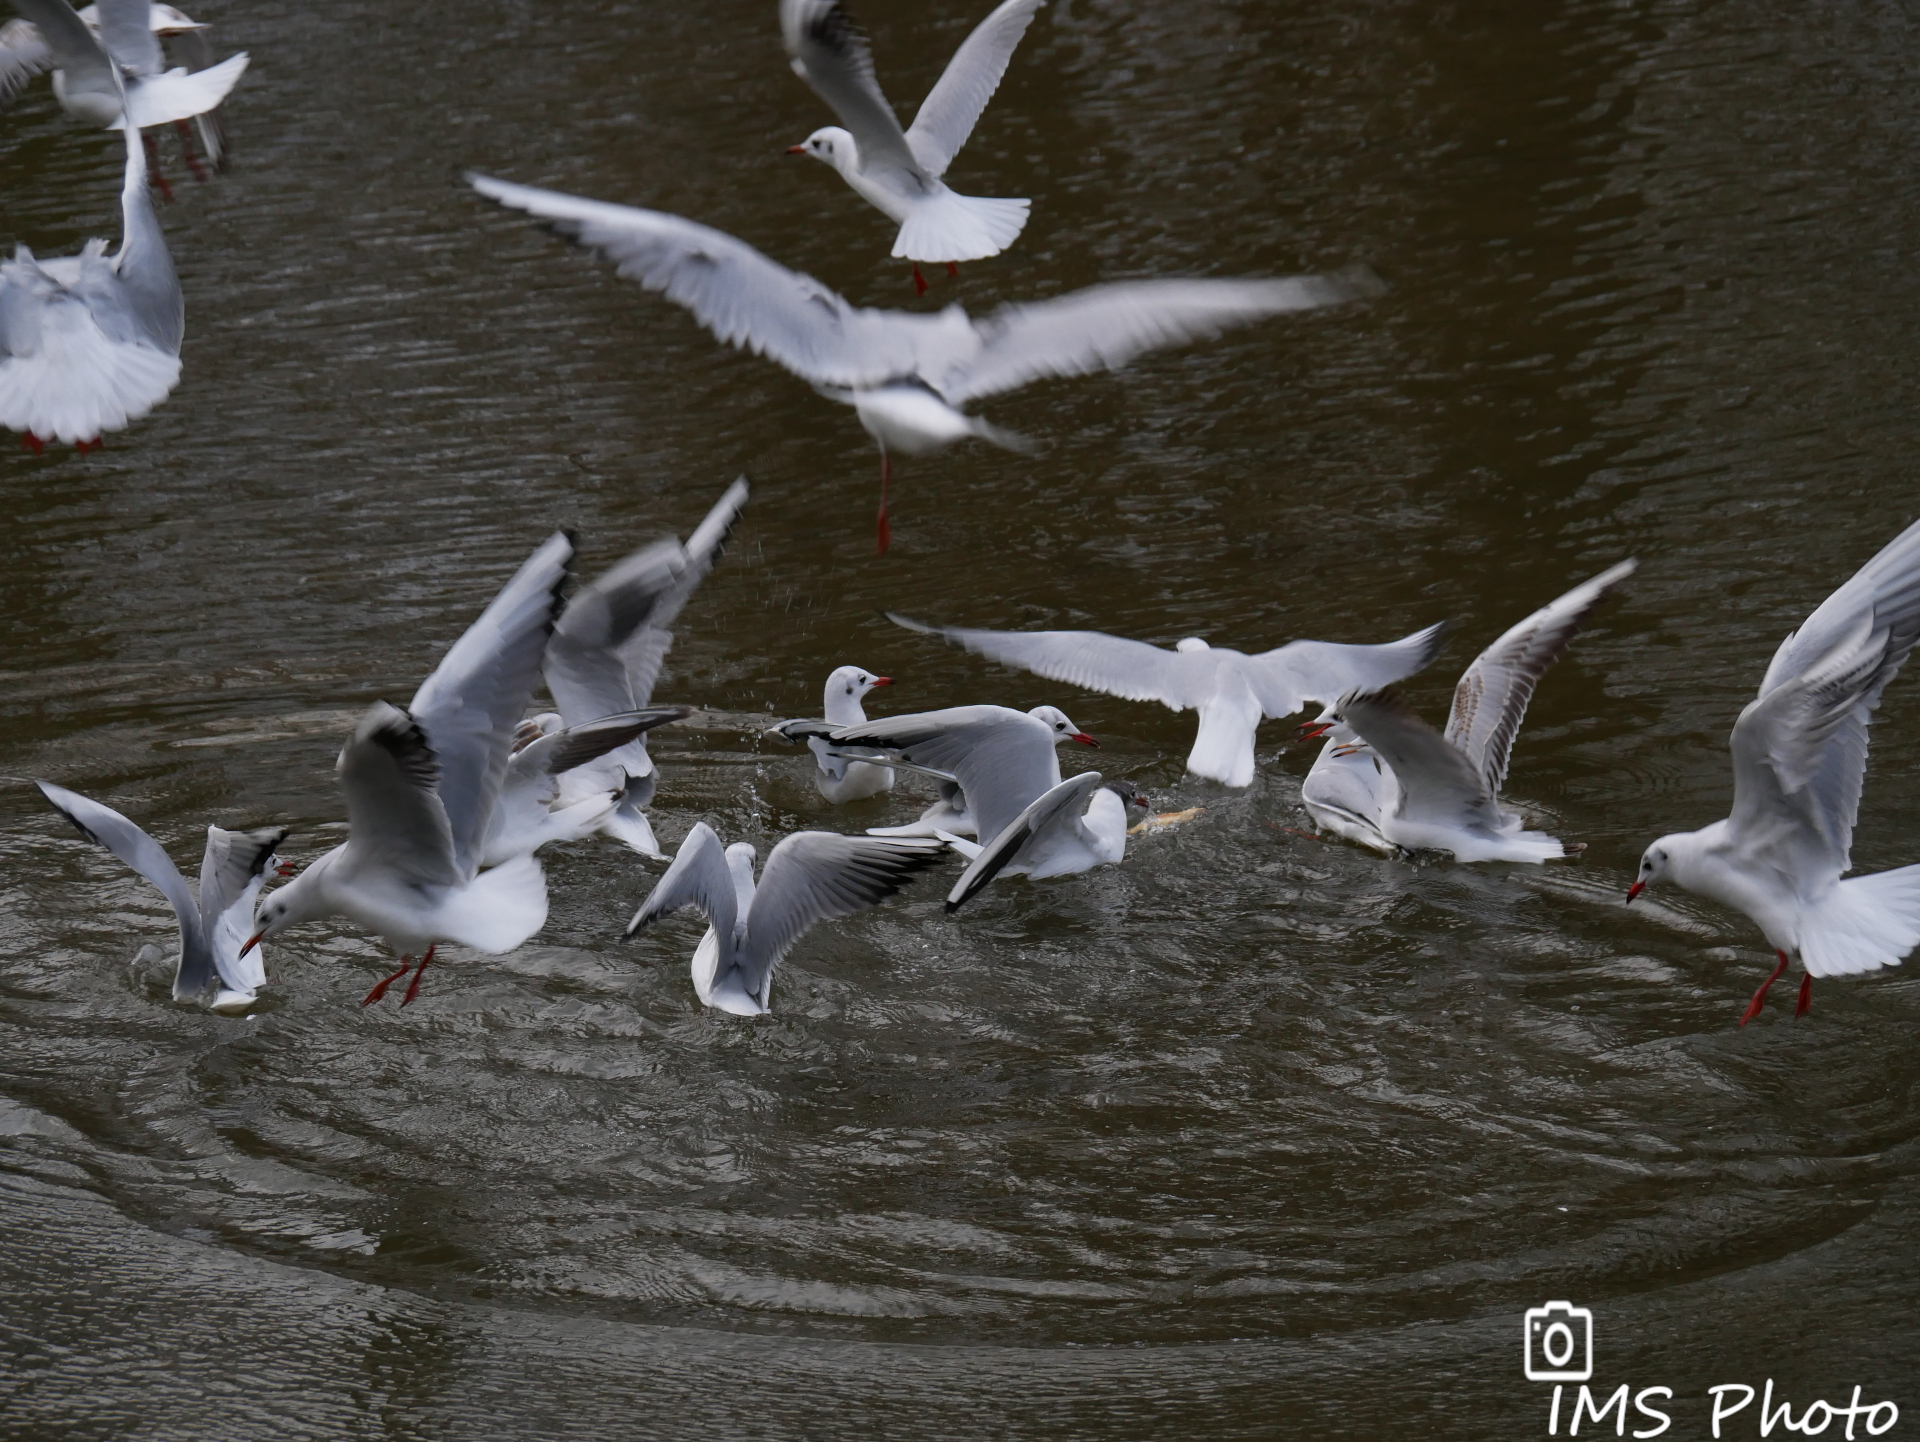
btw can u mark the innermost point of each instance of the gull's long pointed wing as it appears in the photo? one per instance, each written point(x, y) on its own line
point(1105, 326)
point(734, 291)
point(814, 876)
point(389, 775)
point(148, 305)
point(1113, 665)
point(476, 696)
point(1437, 783)
point(952, 108)
point(698, 878)
point(577, 745)
point(126, 30)
point(106, 827)
point(1491, 700)
point(645, 652)
point(831, 55)
point(1800, 750)
point(74, 49)
point(1064, 804)
point(584, 668)
point(1003, 759)
point(1286, 678)
point(231, 874)
point(23, 55)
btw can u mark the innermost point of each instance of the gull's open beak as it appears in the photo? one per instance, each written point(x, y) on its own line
point(1084, 740)
point(796, 150)
point(1313, 730)
point(1350, 750)
point(1635, 890)
point(883, 680)
point(1141, 802)
point(252, 942)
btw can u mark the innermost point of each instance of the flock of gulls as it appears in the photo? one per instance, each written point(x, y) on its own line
point(450, 798)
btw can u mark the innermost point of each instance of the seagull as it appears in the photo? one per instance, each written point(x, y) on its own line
point(606, 654)
point(421, 787)
point(210, 968)
point(1232, 691)
point(89, 344)
point(906, 374)
point(190, 40)
point(1390, 781)
point(810, 877)
point(1078, 825)
point(841, 781)
point(899, 172)
point(545, 749)
point(1799, 760)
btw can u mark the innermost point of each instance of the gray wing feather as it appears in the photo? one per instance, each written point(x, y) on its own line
point(951, 110)
point(831, 55)
point(74, 49)
point(1004, 848)
point(585, 670)
point(23, 55)
point(126, 30)
point(149, 288)
point(697, 878)
point(390, 777)
point(1112, 665)
point(231, 874)
point(1288, 677)
point(646, 651)
point(1003, 759)
point(1437, 783)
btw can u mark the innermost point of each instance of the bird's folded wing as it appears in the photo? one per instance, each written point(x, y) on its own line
point(1060, 806)
point(473, 701)
point(832, 56)
point(951, 110)
point(1286, 678)
point(1491, 700)
point(814, 876)
point(1105, 326)
point(697, 878)
point(23, 55)
point(74, 49)
point(737, 293)
point(1113, 665)
point(389, 774)
point(106, 827)
point(1003, 759)
point(1437, 784)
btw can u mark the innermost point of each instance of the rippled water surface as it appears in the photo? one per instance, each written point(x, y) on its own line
point(1255, 1135)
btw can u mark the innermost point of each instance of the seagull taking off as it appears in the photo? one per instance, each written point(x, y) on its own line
point(421, 787)
point(906, 374)
point(899, 172)
point(1799, 761)
point(811, 876)
point(210, 969)
point(1232, 691)
point(1389, 781)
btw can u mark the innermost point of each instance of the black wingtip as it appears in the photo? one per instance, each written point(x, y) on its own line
point(73, 820)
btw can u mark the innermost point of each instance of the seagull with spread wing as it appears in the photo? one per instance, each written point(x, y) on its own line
point(1232, 691)
point(810, 877)
point(1799, 763)
point(907, 374)
point(1390, 781)
point(896, 171)
point(421, 787)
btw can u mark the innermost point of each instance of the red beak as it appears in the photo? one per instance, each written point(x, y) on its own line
point(252, 942)
point(1314, 730)
point(796, 150)
point(1084, 740)
point(883, 680)
point(1635, 890)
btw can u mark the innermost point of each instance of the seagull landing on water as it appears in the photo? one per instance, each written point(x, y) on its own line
point(811, 876)
point(899, 172)
point(1799, 761)
point(211, 969)
point(1232, 691)
point(905, 374)
point(840, 781)
point(1389, 781)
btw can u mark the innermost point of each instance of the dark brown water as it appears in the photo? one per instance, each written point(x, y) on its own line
point(1252, 1136)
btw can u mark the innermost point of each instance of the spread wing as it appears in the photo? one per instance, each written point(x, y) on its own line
point(231, 874)
point(73, 47)
point(646, 650)
point(390, 776)
point(23, 55)
point(473, 701)
point(585, 668)
point(814, 876)
point(1437, 783)
point(1286, 678)
point(733, 290)
point(832, 56)
point(1113, 665)
point(698, 878)
point(1105, 326)
point(1003, 759)
point(951, 110)
point(1491, 699)
point(1065, 803)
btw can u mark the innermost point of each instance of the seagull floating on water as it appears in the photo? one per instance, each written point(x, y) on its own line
point(211, 969)
point(1389, 781)
point(1232, 691)
point(899, 172)
point(906, 374)
point(1078, 825)
point(840, 781)
point(1799, 763)
point(545, 751)
point(810, 877)
point(421, 787)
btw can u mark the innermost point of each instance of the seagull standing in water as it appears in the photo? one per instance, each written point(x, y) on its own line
point(899, 172)
point(1232, 691)
point(1447, 795)
point(1799, 763)
point(210, 969)
point(906, 374)
point(421, 787)
point(810, 877)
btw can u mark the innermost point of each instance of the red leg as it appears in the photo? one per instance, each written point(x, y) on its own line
point(953, 271)
point(413, 988)
point(884, 532)
point(153, 169)
point(1760, 996)
point(84, 446)
point(186, 150)
point(406, 965)
point(30, 442)
point(1806, 995)
point(919, 280)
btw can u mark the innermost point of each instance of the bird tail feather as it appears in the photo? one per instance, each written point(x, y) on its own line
point(180, 95)
point(1863, 924)
point(501, 908)
point(951, 227)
